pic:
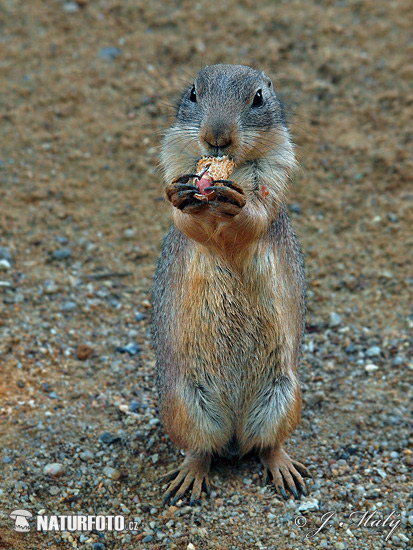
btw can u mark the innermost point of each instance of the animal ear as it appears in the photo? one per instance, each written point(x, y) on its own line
point(267, 80)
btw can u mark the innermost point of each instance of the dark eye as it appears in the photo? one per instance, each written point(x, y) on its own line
point(258, 101)
point(192, 96)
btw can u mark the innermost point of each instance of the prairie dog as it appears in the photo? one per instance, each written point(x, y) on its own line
point(229, 289)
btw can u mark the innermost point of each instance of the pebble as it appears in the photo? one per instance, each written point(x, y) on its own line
point(98, 546)
point(5, 265)
point(139, 316)
point(371, 368)
point(109, 53)
point(86, 455)
point(374, 351)
point(295, 208)
point(134, 406)
point(108, 438)
point(54, 469)
point(335, 319)
point(70, 7)
point(61, 253)
point(5, 253)
point(50, 287)
point(68, 306)
point(340, 545)
point(7, 459)
point(149, 538)
point(83, 352)
point(131, 349)
point(309, 504)
point(53, 395)
point(111, 473)
point(54, 490)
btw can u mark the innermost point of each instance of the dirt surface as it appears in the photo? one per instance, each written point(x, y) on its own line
point(86, 90)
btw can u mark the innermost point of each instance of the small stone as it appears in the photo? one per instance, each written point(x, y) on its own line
point(54, 469)
point(374, 351)
point(54, 490)
point(20, 384)
point(340, 545)
point(7, 459)
point(109, 53)
point(86, 456)
point(5, 253)
point(108, 438)
point(392, 217)
point(61, 253)
point(53, 395)
point(403, 537)
point(70, 7)
point(308, 504)
point(190, 546)
point(50, 287)
point(111, 473)
point(155, 458)
point(295, 208)
point(68, 306)
point(98, 546)
point(149, 538)
point(134, 406)
point(398, 360)
point(371, 368)
point(131, 349)
point(139, 316)
point(411, 520)
point(5, 265)
point(335, 319)
point(83, 352)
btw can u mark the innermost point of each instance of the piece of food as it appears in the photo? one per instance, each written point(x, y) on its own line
point(219, 168)
point(209, 170)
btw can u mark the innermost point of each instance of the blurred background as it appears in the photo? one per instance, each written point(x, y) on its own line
point(86, 90)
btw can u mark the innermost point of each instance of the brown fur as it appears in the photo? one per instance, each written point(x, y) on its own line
point(228, 308)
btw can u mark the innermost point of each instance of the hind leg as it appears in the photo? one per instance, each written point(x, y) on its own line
point(274, 415)
point(200, 431)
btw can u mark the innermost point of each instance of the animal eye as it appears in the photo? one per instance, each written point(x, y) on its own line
point(192, 96)
point(258, 101)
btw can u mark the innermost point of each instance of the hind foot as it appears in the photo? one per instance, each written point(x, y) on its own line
point(193, 472)
point(286, 473)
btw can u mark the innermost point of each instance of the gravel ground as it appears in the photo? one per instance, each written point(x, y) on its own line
point(87, 89)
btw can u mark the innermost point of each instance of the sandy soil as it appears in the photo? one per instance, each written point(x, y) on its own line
point(86, 90)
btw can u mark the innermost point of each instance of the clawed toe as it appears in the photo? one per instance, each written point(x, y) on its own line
point(286, 474)
point(192, 474)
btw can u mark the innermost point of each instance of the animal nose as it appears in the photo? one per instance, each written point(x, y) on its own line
point(222, 143)
point(217, 134)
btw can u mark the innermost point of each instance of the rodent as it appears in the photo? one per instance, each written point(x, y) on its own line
point(229, 288)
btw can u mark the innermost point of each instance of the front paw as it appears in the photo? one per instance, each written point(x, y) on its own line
point(228, 198)
point(182, 195)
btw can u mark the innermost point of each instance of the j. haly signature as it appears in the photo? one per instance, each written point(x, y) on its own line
point(372, 520)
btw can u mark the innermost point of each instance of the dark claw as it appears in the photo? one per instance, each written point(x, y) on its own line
point(205, 488)
point(302, 490)
point(284, 494)
point(222, 198)
point(294, 492)
point(195, 502)
point(185, 178)
point(231, 184)
point(185, 187)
